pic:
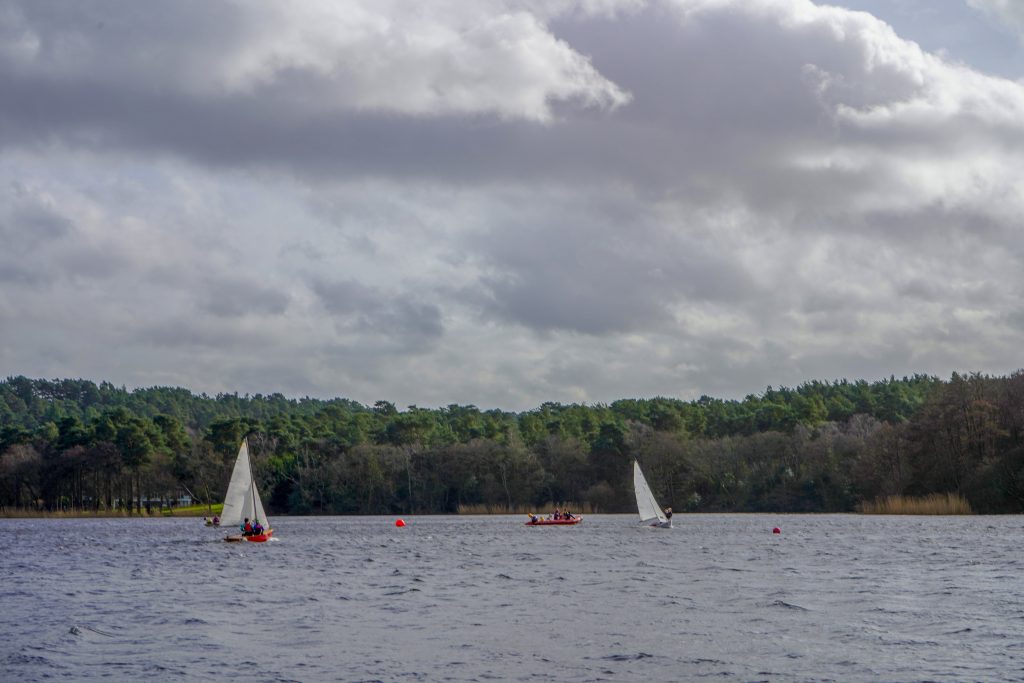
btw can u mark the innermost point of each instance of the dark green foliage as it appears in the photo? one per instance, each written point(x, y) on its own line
point(823, 446)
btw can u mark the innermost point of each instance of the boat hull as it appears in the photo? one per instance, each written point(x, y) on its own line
point(260, 538)
point(255, 538)
point(555, 522)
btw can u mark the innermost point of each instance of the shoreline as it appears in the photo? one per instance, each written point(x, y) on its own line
point(165, 514)
point(22, 513)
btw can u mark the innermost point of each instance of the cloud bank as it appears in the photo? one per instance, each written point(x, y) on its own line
point(500, 202)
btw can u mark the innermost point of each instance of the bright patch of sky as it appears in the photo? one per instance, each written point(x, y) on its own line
point(962, 30)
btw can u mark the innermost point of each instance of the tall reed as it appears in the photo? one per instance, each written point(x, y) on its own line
point(484, 509)
point(933, 504)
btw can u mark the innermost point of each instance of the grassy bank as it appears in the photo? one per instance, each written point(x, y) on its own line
point(546, 508)
point(70, 513)
point(934, 504)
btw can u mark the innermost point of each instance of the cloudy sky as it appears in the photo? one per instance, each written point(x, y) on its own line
point(505, 202)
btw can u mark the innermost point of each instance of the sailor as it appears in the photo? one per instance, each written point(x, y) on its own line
point(668, 513)
point(257, 528)
point(247, 527)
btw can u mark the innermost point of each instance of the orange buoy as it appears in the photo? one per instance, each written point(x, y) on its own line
point(776, 530)
point(399, 522)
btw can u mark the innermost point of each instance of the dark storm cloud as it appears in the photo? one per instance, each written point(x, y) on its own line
point(402, 318)
point(237, 297)
point(25, 231)
point(597, 265)
point(42, 245)
point(203, 334)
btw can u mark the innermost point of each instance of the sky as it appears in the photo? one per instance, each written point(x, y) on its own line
point(507, 202)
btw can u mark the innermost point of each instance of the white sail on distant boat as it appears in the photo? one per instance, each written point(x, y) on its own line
point(650, 512)
point(242, 500)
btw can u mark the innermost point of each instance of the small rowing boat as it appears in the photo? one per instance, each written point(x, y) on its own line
point(554, 522)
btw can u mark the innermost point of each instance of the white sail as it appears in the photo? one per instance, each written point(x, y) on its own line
point(646, 505)
point(238, 490)
point(253, 508)
point(243, 498)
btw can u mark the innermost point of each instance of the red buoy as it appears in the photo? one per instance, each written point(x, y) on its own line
point(399, 522)
point(776, 530)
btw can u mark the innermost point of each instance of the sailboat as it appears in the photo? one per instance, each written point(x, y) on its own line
point(646, 505)
point(243, 500)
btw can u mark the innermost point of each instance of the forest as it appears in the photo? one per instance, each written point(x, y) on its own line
point(72, 444)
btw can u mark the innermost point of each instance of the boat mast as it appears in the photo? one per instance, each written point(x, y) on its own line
point(252, 477)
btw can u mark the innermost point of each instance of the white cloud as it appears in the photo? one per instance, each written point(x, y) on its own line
point(317, 56)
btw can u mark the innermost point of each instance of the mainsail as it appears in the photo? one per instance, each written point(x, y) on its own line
point(648, 508)
point(242, 499)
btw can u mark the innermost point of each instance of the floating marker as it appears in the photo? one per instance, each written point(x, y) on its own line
point(776, 530)
point(399, 522)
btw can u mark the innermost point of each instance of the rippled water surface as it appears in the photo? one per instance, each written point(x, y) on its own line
point(842, 598)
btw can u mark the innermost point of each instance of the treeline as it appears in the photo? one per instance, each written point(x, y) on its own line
point(823, 446)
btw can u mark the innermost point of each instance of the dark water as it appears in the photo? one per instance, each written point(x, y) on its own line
point(840, 598)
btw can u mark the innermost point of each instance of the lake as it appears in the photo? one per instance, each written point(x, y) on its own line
point(720, 597)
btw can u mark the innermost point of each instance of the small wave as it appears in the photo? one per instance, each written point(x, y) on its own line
point(78, 631)
point(714, 568)
point(787, 605)
point(526, 557)
point(22, 659)
point(627, 658)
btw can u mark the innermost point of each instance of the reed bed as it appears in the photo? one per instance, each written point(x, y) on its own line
point(546, 508)
point(934, 504)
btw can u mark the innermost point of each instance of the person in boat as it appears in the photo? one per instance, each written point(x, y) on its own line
point(257, 528)
point(567, 515)
point(668, 513)
point(247, 527)
point(216, 520)
point(533, 518)
point(557, 515)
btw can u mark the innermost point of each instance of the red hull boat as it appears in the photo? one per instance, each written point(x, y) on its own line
point(255, 538)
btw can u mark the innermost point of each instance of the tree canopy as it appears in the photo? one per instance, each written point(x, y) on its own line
point(822, 446)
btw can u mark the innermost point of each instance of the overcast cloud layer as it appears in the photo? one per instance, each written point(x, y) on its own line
point(505, 202)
